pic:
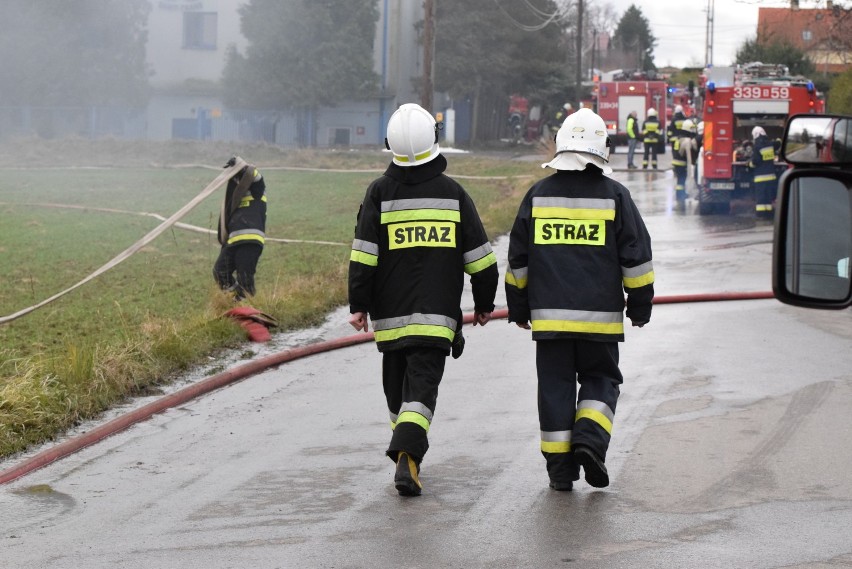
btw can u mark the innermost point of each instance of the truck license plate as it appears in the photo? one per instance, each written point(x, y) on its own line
point(721, 185)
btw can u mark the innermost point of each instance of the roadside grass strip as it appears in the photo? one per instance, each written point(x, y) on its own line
point(150, 318)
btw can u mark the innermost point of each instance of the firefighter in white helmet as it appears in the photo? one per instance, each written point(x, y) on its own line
point(674, 129)
point(684, 155)
point(559, 117)
point(650, 138)
point(699, 142)
point(765, 179)
point(577, 244)
point(418, 232)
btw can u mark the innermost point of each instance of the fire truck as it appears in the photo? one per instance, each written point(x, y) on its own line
point(735, 100)
point(683, 96)
point(619, 93)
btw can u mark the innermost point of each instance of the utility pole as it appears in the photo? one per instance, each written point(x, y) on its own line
point(708, 46)
point(428, 49)
point(594, 54)
point(578, 77)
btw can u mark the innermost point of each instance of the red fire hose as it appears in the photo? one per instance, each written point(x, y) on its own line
point(254, 367)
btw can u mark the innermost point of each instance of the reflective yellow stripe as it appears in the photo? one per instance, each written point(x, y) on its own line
point(420, 214)
point(765, 178)
point(595, 416)
point(246, 201)
point(636, 282)
point(421, 156)
point(412, 417)
point(364, 258)
point(517, 283)
point(556, 447)
point(483, 263)
point(415, 330)
point(547, 212)
point(574, 326)
point(763, 207)
point(247, 237)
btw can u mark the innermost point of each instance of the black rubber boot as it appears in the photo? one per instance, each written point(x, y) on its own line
point(406, 477)
point(593, 466)
point(562, 486)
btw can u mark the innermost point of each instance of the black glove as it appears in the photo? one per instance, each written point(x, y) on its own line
point(230, 162)
point(458, 345)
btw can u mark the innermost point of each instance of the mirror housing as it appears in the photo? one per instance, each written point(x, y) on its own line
point(811, 263)
point(817, 139)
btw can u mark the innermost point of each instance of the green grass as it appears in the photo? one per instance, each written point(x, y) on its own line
point(158, 313)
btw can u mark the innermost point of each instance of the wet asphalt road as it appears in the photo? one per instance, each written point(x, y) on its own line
point(730, 448)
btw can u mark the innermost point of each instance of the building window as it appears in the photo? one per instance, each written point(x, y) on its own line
point(338, 136)
point(199, 30)
point(807, 35)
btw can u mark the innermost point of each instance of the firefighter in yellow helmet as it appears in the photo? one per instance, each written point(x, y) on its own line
point(418, 233)
point(650, 138)
point(577, 244)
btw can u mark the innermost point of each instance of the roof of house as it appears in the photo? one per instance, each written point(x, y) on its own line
point(813, 31)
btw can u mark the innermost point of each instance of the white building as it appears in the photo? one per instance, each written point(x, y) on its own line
point(187, 43)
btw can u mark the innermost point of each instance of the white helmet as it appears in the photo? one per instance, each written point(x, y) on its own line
point(678, 109)
point(652, 112)
point(688, 126)
point(567, 106)
point(412, 136)
point(757, 131)
point(581, 140)
point(700, 127)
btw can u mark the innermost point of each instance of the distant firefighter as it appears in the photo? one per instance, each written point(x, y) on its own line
point(242, 226)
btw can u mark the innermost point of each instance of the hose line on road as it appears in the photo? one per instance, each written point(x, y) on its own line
point(254, 367)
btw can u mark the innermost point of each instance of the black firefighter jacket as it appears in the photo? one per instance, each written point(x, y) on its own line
point(577, 244)
point(418, 233)
point(243, 216)
point(763, 160)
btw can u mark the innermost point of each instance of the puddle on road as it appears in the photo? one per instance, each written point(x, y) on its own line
point(32, 505)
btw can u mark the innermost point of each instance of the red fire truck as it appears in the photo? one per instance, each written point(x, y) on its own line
point(735, 100)
point(622, 93)
point(683, 96)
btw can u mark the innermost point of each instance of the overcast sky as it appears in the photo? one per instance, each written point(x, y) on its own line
point(680, 27)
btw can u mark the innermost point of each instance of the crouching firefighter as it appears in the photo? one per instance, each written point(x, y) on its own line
point(418, 233)
point(242, 226)
point(577, 244)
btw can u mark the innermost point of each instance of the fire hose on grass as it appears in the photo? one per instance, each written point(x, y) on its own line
point(254, 367)
point(221, 179)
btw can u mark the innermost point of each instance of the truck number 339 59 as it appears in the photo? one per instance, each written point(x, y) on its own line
point(761, 92)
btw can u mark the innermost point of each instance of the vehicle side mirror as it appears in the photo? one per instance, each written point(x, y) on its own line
point(818, 139)
point(813, 238)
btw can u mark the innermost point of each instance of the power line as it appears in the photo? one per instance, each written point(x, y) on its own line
point(539, 11)
point(547, 19)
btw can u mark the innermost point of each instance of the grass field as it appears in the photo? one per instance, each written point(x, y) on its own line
point(158, 312)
